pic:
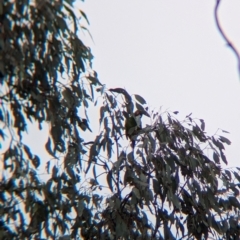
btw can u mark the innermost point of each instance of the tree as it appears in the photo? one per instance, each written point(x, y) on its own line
point(172, 186)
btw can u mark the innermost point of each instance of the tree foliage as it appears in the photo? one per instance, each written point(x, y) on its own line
point(170, 186)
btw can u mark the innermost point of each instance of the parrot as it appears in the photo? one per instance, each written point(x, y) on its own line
point(132, 125)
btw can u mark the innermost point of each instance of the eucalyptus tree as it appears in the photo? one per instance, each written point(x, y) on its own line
point(171, 185)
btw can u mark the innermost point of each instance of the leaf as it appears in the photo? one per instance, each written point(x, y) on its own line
point(181, 227)
point(228, 173)
point(156, 186)
point(121, 229)
point(80, 207)
point(112, 101)
point(216, 225)
point(202, 124)
point(176, 202)
point(144, 218)
point(61, 24)
point(130, 157)
point(71, 173)
point(109, 180)
point(1, 115)
point(143, 177)
point(225, 131)
point(171, 160)
point(236, 176)
point(224, 158)
point(139, 107)
point(234, 189)
point(67, 62)
point(68, 96)
point(92, 92)
point(85, 103)
point(234, 202)
point(216, 157)
point(136, 192)
point(148, 194)
point(217, 144)
point(167, 232)
point(109, 147)
point(54, 172)
point(102, 112)
point(94, 151)
point(48, 148)
point(130, 107)
point(94, 172)
point(225, 140)
point(84, 125)
point(84, 28)
point(48, 167)
point(122, 91)
point(94, 81)
point(170, 119)
point(85, 16)
point(36, 161)
point(28, 151)
point(140, 99)
point(128, 177)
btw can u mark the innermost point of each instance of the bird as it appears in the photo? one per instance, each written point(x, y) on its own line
point(132, 125)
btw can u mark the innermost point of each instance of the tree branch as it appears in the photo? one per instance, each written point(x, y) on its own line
point(224, 35)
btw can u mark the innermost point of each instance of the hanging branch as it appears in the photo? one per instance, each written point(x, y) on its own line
point(229, 43)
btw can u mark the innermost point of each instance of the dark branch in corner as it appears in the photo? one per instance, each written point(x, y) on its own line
point(229, 43)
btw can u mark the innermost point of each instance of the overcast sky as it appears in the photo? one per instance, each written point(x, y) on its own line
point(171, 53)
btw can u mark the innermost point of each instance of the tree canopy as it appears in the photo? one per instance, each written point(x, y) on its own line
point(171, 185)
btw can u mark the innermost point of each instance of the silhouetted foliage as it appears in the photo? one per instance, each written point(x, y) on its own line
point(170, 186)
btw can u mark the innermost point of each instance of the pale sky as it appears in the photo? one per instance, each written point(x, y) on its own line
point(171, 53)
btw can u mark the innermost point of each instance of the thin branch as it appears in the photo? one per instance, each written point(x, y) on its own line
point(157, 224)
point(224, 35)
point(118, 173)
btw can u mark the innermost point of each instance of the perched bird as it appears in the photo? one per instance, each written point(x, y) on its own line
point(132, 125)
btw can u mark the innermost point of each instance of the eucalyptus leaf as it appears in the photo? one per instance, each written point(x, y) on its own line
point(140, 99)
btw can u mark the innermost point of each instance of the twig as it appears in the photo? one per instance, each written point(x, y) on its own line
point(118, 174)
point(225, 37)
